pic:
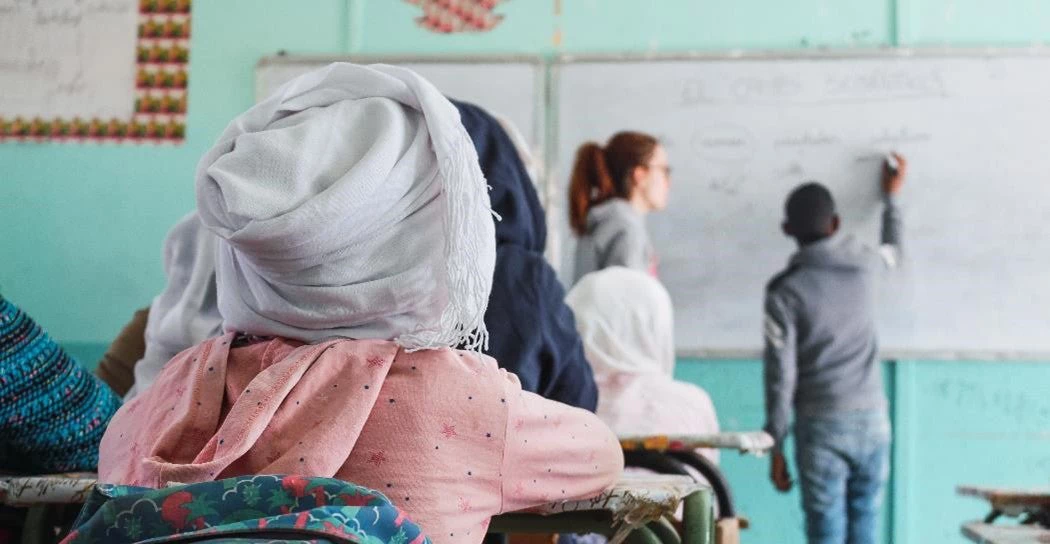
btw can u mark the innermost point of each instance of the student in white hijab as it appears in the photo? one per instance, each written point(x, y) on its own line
point(355, 250)
point(625, 319)
point(186, 312)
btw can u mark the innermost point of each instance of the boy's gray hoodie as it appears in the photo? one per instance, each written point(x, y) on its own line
point(821, 350)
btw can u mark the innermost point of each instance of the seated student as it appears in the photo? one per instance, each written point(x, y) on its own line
point(822, 361)
point(183, 315)
point(116, 367)
point(52, 411)
point(532, 331)
point(625, 318)
point(355, 246)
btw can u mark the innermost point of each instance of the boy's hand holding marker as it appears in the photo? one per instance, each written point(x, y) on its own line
point(894, 170)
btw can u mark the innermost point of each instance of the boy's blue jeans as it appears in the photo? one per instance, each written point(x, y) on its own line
point(843, 463)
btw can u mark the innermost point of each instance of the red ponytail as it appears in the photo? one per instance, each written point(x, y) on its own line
point(603, 173)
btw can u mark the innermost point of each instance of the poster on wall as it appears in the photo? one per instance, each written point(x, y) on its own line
point(454, 16)
point(94, 70)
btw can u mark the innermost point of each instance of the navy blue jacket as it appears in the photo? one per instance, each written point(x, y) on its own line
point(532, 331)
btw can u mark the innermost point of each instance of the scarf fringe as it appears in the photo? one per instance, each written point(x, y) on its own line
point(462, 322)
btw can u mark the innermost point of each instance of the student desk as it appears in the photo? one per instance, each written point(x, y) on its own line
point(985, 533)
point(638, 509)
point(752, 442)
point(1031, 505)
point(1011, 502)
point(48, 499)
point(675, 454)
point(69, 488)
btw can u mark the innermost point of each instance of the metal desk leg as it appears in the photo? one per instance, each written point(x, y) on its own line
point(643, 535)
point(698, 519)
point(665, 531)
point(596, 521)
point(37, 527)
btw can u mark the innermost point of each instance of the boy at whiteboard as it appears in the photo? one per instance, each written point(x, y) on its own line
point(821, 360)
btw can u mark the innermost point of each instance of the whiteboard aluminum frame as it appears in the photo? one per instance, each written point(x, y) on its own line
point(564, 60)
point(899, 356)
point(1036, 50)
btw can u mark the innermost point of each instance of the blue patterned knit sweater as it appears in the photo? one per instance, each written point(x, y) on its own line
point(52, 411)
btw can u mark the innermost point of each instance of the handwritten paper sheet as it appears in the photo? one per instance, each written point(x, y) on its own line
point(94, 70)
point(67, 58)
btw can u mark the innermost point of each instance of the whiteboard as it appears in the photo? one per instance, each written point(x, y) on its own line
point(742, 132)
point(67, 58)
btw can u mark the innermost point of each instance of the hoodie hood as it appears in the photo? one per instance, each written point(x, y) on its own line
point(511, 191)
point(843, 251)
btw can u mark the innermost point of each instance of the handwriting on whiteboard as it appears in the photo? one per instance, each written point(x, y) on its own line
point(693, 93)
point(814, 138)
point(732, 143)
point(845, 86)
point(777, 87)
point(901, 135)
point(884, 82)
point(736, 143)
point(727, 184)
point(67, 58)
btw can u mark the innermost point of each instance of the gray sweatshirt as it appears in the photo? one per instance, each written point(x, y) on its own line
point(821, 350)
point(616, 236)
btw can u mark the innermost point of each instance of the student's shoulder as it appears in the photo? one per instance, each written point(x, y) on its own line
point(779, 281)
point(455, 371)
point(619, 233)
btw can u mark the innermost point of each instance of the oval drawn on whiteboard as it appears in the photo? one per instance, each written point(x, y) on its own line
point(728, 143)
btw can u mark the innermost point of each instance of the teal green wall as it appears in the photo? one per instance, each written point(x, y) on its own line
point(81, 226)
point(954, 422)
point(965, 422)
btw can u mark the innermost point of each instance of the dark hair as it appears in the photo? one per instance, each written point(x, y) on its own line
point(603, 173)
point(810, 211)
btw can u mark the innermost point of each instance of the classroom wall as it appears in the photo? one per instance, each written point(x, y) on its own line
point(81, 225)
point(954, 422)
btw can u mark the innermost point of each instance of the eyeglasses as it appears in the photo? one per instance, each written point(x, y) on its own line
point(666, 168)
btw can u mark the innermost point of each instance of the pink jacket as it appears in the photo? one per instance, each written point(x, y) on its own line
point(446, 435)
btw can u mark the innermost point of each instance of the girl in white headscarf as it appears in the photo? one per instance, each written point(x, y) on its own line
point(186, 312)
point(625, 320)
point(354, 251)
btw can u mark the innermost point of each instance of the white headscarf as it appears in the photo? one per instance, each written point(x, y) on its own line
point(185, 313)
point(351, 204)
point(626, 322)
